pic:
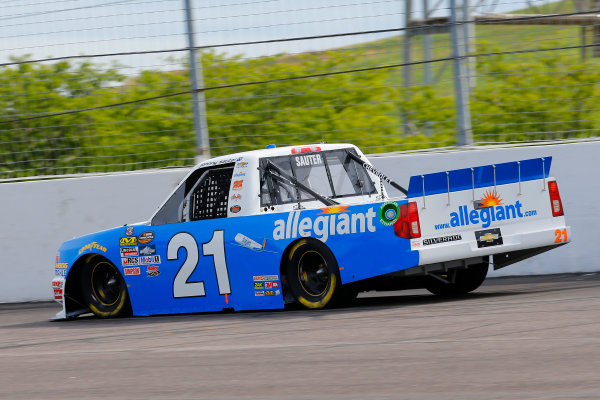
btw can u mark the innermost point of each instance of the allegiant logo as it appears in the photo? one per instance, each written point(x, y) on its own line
point(485, 216)
point(336, 221)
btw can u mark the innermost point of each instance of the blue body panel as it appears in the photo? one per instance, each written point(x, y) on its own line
point(253, 247)
point(478, 177)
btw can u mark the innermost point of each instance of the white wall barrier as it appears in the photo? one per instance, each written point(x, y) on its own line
point(38, 216)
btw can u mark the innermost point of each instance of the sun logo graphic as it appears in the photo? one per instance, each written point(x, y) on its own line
point(490, 199)
point(334, 210)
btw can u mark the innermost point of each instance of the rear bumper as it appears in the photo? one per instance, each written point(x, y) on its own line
point(467, 246)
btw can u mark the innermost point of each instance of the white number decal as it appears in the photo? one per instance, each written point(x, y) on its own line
point(215, 248)
point(181, 288)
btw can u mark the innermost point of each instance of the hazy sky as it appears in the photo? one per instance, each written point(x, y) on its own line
point(43, 28)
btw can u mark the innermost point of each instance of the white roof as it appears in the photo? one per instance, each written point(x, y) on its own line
point(253, 155)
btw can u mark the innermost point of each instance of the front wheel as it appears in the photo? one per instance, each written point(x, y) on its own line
point(312, 274)
point(104, 290)
point(465, 281)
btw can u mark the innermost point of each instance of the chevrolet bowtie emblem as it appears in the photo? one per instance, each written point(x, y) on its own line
point(488, 237)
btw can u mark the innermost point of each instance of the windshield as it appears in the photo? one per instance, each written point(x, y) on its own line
point(327, 174)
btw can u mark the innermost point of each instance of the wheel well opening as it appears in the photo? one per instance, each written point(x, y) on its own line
point(74, 300)
point(285, 258)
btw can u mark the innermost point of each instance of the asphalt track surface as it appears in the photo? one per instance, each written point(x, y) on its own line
point(514, 338)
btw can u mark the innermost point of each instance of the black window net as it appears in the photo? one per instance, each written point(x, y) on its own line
point(209, 197)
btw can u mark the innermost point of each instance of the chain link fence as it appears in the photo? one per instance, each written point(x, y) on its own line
point(101, 86)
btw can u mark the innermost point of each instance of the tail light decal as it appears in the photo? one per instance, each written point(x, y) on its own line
point(555, 202)
point(407, 226)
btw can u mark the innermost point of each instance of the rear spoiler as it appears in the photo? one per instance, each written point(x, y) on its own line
point(479, 177)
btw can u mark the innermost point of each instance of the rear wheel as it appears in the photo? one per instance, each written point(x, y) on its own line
point(312, 274)
point(104, 290)
point(465, 281)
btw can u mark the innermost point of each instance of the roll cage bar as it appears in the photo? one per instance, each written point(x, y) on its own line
point(290, 180)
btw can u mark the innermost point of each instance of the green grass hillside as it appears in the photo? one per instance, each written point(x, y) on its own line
point(489, 38)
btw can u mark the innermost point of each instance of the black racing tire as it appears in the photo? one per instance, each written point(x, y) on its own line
point(312, 274)
point(465, 281)
point(104, 290)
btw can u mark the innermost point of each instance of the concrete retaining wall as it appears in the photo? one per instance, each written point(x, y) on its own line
point(38, 216)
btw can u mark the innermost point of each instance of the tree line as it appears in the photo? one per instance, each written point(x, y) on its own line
point(524, 99)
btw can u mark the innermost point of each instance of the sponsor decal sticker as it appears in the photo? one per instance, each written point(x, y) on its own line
point(334, 210)
point(271, 285)
point(244, 241)
point(92, 245)
point(57, 284)
point(489, 209)
point(60, 272)
point(146, 237)
point(129, 251)
point(488, 237)
point(216, 162)
point(58, 294)
point(152, 270)
point(242, 164)
point(415, 244)
point(323, 226)
point(237, 185)
point(131, 271)
point(129, 231)
point(235, 209)
point(269, 293)
point(389, 213)
point(147, 250)
point(128, 241)
point(236, 197)
point(490, 199)
point(239, 174)
point(442, 239)
point(150, 260)
point(259, 285)
point(259, 293)
point(129, 261)
point(378, 174)
point(62, 265)
point(262, 278)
